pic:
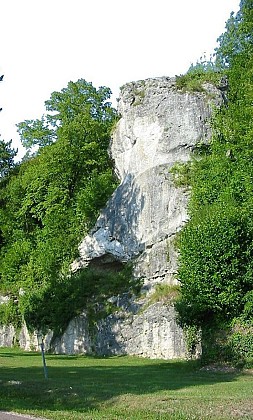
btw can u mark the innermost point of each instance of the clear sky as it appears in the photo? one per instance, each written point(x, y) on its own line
point(46, 43)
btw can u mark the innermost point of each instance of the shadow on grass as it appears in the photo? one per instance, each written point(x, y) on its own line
point(85, 383)
point(17, 354)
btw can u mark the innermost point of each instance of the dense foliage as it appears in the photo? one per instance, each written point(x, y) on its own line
point(216, 245)
point(66, 297)
point(50, 200)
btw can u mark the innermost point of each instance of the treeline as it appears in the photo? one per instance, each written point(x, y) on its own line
point(216, 245)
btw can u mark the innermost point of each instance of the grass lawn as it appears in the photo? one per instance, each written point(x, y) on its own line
point(120, 388)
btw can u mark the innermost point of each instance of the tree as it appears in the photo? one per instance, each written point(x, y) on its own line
point(36, 133)
point(7, 155)
point(215, 246)
point(215, 264)
point(216, 252)
point(238, 36)
point(55, 196)
point(78, 103)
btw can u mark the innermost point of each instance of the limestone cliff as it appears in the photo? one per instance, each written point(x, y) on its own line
point(159, 126)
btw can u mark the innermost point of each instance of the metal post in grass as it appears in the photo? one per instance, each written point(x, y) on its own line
point(41, 344)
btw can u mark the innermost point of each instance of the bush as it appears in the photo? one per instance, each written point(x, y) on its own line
point(86, 290)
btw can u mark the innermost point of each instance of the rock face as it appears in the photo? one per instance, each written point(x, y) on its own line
point(159, 126)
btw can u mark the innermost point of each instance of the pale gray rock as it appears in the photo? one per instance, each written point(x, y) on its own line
point(7, 335)
point(75, 339)
point(159, 126)
point(153, 334)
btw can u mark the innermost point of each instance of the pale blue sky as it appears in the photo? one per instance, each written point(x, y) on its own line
point(47, 43)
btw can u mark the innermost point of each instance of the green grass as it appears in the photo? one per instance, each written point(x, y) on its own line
point(193, 81)
point(120, 388)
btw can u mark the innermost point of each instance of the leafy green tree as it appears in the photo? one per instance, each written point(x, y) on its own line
point(215, 266)
point(216, 252)
point(77, 104)
point(238, 36)
point(7, 156)
point(7, 163)
point(54, 197)
point(36, 132)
